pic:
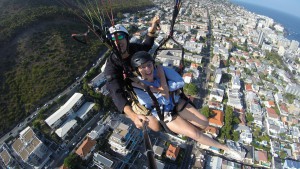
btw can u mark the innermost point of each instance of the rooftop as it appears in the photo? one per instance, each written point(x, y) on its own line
point(64, 109)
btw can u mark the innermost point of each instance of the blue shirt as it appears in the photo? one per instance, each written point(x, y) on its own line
point(174, 80)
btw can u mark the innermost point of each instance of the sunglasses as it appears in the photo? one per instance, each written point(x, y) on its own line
point(119, 36)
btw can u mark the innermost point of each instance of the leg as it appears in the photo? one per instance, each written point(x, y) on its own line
point(181, 126)
point(153, 123)
point(192, 115)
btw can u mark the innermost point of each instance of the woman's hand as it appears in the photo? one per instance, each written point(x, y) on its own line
point(139, 120)
point(164, 91)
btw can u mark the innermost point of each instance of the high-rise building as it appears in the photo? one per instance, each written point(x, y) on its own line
point(6, 159)
point(260, 38)
point(294, 45)
point(31, 149)
point(281, 51)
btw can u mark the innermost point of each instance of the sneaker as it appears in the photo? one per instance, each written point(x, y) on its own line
point(232, 154)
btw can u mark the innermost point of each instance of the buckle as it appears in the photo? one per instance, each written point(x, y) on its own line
point(167, 117)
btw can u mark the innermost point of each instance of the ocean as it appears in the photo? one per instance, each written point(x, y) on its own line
point(290, 23)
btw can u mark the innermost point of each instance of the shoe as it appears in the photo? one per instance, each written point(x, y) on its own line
point(232, 154)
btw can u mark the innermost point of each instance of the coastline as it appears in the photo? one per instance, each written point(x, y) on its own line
point(290, 23)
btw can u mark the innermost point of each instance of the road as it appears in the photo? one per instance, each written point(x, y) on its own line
point(69, 90)
point(77, 139)
point(203, 90)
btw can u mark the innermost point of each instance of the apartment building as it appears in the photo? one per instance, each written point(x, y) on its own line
point(31, 149)
point(124, 139)
point(71, 106)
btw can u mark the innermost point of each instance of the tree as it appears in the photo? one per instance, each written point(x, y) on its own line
point(249, 117)
point(72, 161)
point(228, 121)
point(290, 97)
point(190, 89)
point(236, 120)
point(120, 15)
point(235, 136)
point(246, 45)
point(282, 154)
point(108, 103)
point(36, 124)
point(205, 111)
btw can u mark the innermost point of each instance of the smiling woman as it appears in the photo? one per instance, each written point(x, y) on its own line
point(170, 108)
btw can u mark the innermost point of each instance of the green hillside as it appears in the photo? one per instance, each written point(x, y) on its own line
point(38, 58)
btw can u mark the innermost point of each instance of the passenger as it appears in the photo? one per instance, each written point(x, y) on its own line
point(115, 67)
point(188, 121)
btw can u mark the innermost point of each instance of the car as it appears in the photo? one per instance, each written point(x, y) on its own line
point(74, 144)
point(89, 128)
point(66, 152)
point(79, 138)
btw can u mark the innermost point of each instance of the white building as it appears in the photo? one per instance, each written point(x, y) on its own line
point(187, 77)
point(294, 45)
point(172, 57)
point(31, 149)
point(122, 136)
point(235, 82)
point(98, 80)
point(98, 131)
point(214, 162)
point(71, 106)
point(281, 51)
point(290, 164)
point(65, 128)
point(103, 161)
point(216, 94)
point(218, 76)
point(234, 98)
point(193, 58)
point(6, 159)
point(83, 111)
point(245, 134)
point(293, 89)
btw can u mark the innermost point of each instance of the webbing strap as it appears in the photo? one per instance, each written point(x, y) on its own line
point(159, 112)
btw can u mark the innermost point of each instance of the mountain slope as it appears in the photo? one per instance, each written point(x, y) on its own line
point(38, 59)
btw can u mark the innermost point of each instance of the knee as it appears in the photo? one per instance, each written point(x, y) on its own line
point(195, 134)
point(156, 128)
point(205, 124)
point(199, 135)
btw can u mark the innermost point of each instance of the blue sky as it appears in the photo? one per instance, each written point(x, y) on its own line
point(288, 6)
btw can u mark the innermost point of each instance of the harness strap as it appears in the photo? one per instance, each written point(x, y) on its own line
point(159, 112)
point(185, 104)
point(187, 101)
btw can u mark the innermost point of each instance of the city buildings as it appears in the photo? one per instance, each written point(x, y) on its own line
point(31, 149)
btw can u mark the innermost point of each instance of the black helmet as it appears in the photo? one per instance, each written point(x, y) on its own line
point(140, 58)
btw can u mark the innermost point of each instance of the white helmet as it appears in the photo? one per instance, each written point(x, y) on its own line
point(118, 28)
